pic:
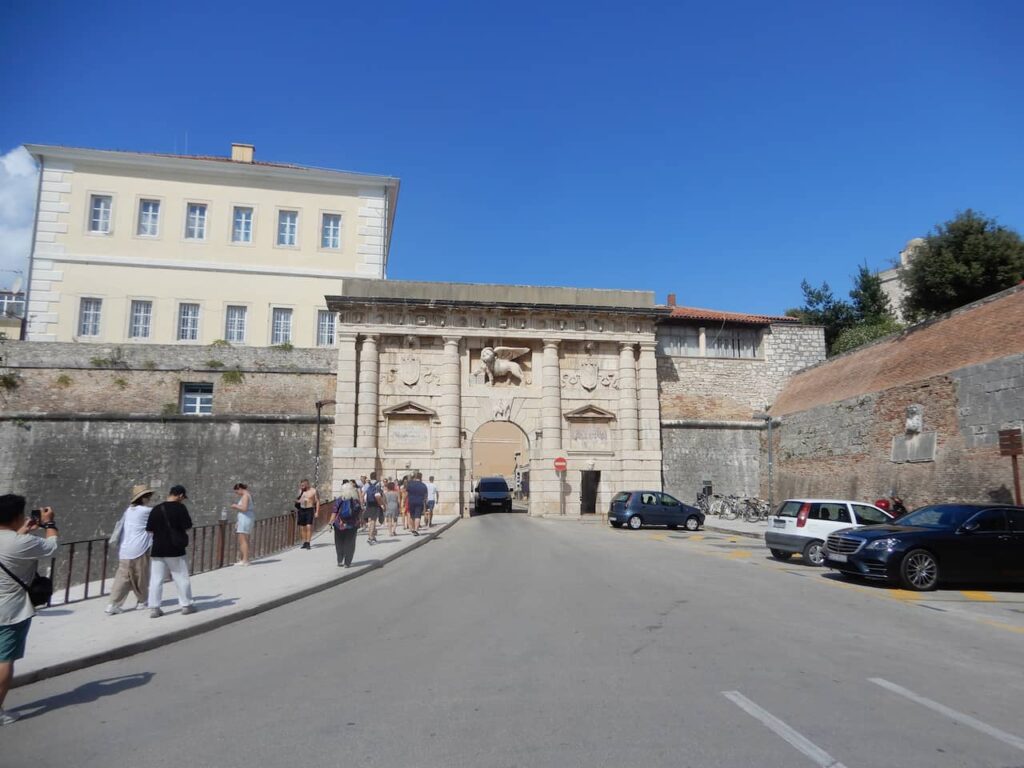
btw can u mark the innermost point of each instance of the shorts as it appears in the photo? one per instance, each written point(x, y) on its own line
point(430, 506)
point(305, 516)
point(246, 520)
point(374, 513)
point(416, 510)
point(12, 640)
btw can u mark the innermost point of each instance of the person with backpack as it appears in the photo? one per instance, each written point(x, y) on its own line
point(345, 522)
point(169, 522)
point(374, 507)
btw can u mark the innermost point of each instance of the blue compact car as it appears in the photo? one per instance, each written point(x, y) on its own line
point(636, 509)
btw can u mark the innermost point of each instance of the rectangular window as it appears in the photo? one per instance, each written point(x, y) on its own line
point(141, 320)
point(195, 222)
point(188, 322)
point(241, 228)
point(325, 328)
point(679, 341)
point(149, 218)
point(234, 326)
point(281, 326)
point(330, 231)
point(89, 317)
point(99, 214)
point(287, 227)
point(733, 342)
point(197, 399)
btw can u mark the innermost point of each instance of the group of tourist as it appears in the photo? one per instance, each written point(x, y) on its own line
point(367, 503)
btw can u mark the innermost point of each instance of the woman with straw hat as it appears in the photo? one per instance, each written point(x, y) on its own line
point(132, 569)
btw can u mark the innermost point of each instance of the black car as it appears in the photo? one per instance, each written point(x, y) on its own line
point(938, 543)
point(492, 493)
point(639, 508)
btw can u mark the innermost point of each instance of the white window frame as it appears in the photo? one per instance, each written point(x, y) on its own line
point(334, 327)
point(140, 201)
point(252, 226)
point(245, 323)
point(277, 228)
point(131, 319)
point(274, 339)
point(202, 392)
point(97, 324)
point(179, 317)
point(206, 221)
point(340, 234)
point(93, 196)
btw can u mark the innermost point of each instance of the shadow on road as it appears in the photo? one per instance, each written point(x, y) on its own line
point(84, 694)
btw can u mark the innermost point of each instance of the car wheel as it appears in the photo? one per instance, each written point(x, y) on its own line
point(692, 523)
point(919, 570)
point(778, 554)
point(635, 522)
point(814, 553)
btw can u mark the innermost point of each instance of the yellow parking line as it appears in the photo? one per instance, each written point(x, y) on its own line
point(904, 594)
point(659, 537)
point(695, 537)
point(738, 553)
point(983, 597)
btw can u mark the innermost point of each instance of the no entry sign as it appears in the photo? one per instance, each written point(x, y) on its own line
point(561, 464)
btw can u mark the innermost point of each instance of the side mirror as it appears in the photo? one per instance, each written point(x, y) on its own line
point(969, 527)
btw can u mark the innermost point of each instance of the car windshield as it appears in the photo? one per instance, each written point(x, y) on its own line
point(939, 516)
point(493, 486)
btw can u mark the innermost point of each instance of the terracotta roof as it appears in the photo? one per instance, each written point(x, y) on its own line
point(714, 315)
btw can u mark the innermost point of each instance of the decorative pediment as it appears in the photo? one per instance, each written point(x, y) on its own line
point(590, 411)
point(409, 408)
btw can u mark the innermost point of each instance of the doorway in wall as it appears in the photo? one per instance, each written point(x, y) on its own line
point(589, 482)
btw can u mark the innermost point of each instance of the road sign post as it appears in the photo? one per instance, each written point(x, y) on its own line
point(1011, 444)
point(561, 465)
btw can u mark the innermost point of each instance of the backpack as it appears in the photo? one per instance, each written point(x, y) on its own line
point(373, 490)
point(347, 514)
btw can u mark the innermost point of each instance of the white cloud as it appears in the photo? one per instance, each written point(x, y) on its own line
point(18, 181)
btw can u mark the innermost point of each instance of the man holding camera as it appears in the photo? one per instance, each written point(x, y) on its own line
point(19, 553)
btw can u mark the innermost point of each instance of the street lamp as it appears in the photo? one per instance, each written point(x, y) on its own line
point(767, 418)
point(316, 467)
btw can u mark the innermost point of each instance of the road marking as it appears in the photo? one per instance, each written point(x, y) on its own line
point(984, 597)
point(696, 537)
point(792, 737)
point(960, 717)
point(738, 553)
point(903, 594)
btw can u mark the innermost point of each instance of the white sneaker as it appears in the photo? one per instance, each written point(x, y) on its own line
point(113, 610)
point(141, 606)
point(6, 718)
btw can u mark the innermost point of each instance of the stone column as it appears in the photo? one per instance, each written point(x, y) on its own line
point(369, 387)
point(345, 393)
point(627, 398)
point(647, 395)
point(451, 395)
point(551, 398)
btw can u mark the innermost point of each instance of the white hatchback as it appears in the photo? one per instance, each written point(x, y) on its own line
point(801, 526)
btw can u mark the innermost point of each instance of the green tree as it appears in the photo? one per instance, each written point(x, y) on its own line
point(822, 308)
point(870, 304)
point(862, 333)
point(963, 260)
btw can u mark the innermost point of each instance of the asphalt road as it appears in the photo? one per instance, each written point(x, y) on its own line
point(519, 642)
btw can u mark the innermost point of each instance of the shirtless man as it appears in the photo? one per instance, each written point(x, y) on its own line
point(307, 504)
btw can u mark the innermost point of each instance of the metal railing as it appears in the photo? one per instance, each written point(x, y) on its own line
point(82, 570)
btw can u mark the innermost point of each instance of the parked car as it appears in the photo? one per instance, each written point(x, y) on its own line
point(492, 493)
point(801, 526)
point(941, 542)
point(639, 508)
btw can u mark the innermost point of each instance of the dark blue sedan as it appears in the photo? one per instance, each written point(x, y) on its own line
point(639, 508)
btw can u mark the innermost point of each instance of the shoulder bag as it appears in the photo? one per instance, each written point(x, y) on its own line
point(40, 591)
point(175, 537)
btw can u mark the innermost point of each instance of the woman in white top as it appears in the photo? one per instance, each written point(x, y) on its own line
point(132, 569)
point(246, 520)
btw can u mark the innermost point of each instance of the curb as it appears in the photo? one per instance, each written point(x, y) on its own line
point(140, 646)
point(748, 534)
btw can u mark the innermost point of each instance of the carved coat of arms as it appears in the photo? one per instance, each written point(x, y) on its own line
point(590, 372)
point(409, 369)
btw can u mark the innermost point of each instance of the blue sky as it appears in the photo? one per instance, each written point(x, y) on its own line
point(723, 151)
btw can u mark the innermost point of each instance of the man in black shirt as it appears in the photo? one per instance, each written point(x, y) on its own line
point(169, 522)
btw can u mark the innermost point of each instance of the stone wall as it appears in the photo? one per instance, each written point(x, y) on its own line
point(80, 425)
point(727, 456)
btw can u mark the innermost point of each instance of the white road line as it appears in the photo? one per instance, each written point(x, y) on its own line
point(795, 740)
point(960, 717)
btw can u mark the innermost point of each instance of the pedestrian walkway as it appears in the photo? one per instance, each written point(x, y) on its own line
point(77, 635)
point(738, 526)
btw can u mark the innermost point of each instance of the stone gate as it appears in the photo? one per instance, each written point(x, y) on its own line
point(421, 366)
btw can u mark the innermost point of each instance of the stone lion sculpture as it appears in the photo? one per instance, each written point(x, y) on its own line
point(500, 362)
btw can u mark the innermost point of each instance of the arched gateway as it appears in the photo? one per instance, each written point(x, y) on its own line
point(423, 367)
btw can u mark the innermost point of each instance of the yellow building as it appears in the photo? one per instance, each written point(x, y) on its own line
point(149, 248)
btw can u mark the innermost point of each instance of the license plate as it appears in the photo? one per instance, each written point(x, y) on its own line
point(779, 523)
point(837, 558)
